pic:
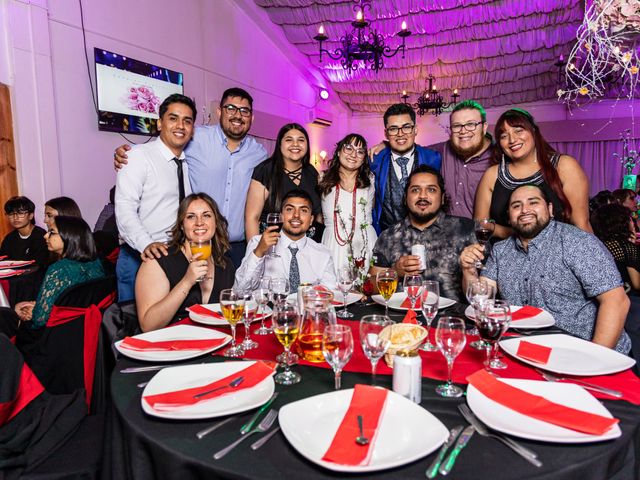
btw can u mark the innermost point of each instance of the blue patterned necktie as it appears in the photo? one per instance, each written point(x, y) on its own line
point(403, 161)
point(294, 271)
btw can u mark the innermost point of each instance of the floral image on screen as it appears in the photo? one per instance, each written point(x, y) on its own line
point(143, 99)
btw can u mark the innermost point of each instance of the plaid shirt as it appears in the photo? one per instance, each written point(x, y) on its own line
point(444, 240)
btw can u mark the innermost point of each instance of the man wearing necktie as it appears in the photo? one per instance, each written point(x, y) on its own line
point(149, 191)
point(301, 259)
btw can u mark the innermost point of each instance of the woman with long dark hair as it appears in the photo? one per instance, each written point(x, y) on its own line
point(166, 286)
point(347, 191)
point(60, 206)
point(522, 157)
point(287, 169)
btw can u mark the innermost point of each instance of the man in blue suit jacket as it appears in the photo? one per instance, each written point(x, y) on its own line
point(402, 155)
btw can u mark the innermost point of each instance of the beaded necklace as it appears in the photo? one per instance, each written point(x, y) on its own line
point(336, 216)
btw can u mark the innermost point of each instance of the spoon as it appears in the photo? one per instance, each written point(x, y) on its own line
point(361, 439)
point(234, 383)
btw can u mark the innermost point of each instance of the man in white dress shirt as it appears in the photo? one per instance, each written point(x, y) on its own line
point(301, 259)
point(149, 191)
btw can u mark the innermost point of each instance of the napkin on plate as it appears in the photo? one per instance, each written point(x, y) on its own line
point(15, 263)
point(534, 352)
point(205, 312)
point(252, 375)
point(366, 401)
point(538, 407)
point(410, 317)
point(140, 345)
point(525, 312)
point(406, 303)
point(7, 272)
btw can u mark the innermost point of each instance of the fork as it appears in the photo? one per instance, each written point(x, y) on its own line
point(481, 428)
point(550, 377)
point(262, 427)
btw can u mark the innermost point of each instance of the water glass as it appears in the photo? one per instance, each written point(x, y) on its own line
point(279, 288)
point(450, 338)
point(374, 346)
point(262, 295)
point(337, 348)
point(250, 307)
point(412, 286)
point(232, 306)
point(429, 298)
point(478, 293)
point(286, 326)
point(345, 282)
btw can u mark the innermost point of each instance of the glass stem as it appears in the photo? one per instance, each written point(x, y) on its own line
point(286, 360)
point(386, 307)
point(233, 335)
point(489, 353)
point(449, 371)
point(344, 302)
point(260, 310)
point(337, 379)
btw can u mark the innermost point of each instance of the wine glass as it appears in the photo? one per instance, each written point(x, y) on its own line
point(337, 348)
point(484, 228)
point(250, 307)
point(262, 295)
point(279, 288)
point(202, 247)
point(450, 338)
point(412, 286)
point(286, 326)
point(374, 346)
point(274, 219)
point(345, 282)
point(479, 292)
point(493, 319)
point(430, 297)
point(232, 306)
point(387, 281)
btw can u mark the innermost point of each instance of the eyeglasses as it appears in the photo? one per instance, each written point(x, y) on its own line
point(351, 150)
point(469, 126)
point(406, 129)
point(18, 213)
point(51, 232)
point(232, 109)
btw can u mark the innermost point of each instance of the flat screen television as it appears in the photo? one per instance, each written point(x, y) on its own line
point(130, 92)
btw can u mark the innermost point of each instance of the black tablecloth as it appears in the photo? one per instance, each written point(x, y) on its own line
point(139, 446)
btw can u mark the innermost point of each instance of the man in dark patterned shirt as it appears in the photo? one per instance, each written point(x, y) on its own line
point(557, 267)
point(426, 223)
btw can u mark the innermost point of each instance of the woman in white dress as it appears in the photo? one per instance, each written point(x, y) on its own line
point(347, 194)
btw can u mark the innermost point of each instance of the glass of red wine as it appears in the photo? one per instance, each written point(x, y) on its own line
point(274, 220)
point(492, 319)
point(484, 228)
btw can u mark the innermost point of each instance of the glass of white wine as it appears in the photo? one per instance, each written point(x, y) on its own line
point(232, 306)
point(286, 326)
point(387, 282)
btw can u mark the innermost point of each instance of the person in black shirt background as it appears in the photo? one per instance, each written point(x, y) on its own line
point(26, 241)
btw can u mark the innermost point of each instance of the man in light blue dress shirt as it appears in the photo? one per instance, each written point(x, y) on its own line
point(221, 159)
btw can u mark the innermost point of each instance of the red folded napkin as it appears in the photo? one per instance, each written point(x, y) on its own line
point(410, 317)
point(16, 263)
point(366, 401)
point(205, 312)
point(534, 352)
point(538, 407)
point(140, 345)
point(10, 273)
point(525, 312)
point(406, 303)
point(252, 375)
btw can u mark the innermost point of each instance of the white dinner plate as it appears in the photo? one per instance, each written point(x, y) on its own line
point(543, 319)
point(572, 355)
point(9, 272)
point(406, 431)
point(396, 300)
point(188, 376)
point(179, 332)
point(509, 421)
point(338, 299)
point(15, 263)
point(221, 322)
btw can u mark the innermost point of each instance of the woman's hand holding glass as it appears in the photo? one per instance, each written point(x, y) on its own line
point(337, 348)
point(374, 346)
point(430, 299)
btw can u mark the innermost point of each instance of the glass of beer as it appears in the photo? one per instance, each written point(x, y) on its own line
point(202, 247)
point(387, 281)
point(232, 306)
point(286, 326)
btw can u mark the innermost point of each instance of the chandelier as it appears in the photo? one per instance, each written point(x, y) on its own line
point(363, 46)
point(430, 100)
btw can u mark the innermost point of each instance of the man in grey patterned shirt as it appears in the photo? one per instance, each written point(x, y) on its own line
point(426, 223)
point(557, 267)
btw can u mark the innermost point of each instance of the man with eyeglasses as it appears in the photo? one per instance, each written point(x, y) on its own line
point(26, 241)
point(465, 156)
point(221, 159)
point(393, 165)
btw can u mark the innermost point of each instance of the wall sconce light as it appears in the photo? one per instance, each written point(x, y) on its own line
point(324, 93)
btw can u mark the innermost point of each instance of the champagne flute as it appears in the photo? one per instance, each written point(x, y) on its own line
point(286, 326)
point(430, 297)
point(450, 338)
point(279, 287)
point(492, 320)
point(387, 281)
point(374, 346)
point(479, 292)
point(250, 307)
point(202, 247)
point(345, 282)
point(412, 286)
point(484, 228)
point(232, 306)
point(274, 219)
point(337, 348)
point(262, 295)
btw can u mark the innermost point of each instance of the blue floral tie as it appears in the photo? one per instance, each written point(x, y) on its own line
point(294, 271)
point(402, 162)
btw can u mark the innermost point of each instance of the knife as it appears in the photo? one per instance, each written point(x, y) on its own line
point(249, 425)
point(150, 368)
point(463, 439)
point(432, 471)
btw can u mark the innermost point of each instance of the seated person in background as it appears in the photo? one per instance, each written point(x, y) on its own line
point(603, 197)
point(166, 286)
point(70, 238)
point(426, 223)
point(612, 224)
point(301, 259)
point(26, 241)
point(107, 219)
point(60, 206)
point(627, 198)
point(557, 267)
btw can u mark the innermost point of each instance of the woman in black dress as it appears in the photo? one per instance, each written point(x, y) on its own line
point(165, 287)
